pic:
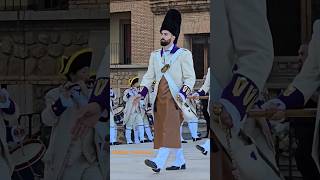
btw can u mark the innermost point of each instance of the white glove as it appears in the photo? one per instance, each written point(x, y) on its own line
point(196, 94)
point(274, 103)
point(181, 98)
point(142, 104)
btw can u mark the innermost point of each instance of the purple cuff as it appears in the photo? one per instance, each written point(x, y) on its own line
point(185, 90)
point(241, 92)
point(143, 91)
point(292, 98)
point(11, 109)
point(99, 93)
point(58, 107)
point(202, 93)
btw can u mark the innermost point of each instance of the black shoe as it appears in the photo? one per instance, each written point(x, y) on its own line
point(114, 143)
point(148, 140)
point(143, 141)
point(203, 151)
point(156, 170)
point(199, 134)
point(151, 164)
point(184, 141)
point(176, 167)
point(130, 143)
point(196, 139)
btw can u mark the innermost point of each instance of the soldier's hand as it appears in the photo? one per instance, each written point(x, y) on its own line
point(275, 109)
point(225, 117)
point(181, 98)
point(87, 118)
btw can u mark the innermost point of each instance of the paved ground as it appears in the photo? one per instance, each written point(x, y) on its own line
point(127, 162)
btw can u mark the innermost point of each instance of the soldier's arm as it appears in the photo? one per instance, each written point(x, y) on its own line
point(206, 85)
point(11, 113)
point(308, 80)
point(188, 74)
point(148, 78)
point(56, 105)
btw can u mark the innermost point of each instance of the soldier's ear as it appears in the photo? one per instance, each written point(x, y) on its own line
point(173, 37)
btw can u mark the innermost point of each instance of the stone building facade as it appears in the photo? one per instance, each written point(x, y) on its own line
point(32, 40)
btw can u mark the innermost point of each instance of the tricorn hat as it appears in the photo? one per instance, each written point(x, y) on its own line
point(75, 62)
point(172, 23)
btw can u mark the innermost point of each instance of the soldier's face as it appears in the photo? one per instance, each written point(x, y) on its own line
point(166, 38)
point(83, 74)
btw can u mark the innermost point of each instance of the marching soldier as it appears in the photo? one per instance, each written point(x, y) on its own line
point(133, 118)
point(240, 67)
point(8, 112)
point(148, 115)
point(69, 157)
point(113, 126)
point(204, 148)
point(299, 92)
point(172, 69)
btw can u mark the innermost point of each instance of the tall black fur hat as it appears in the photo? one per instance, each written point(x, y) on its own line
point(172, 23)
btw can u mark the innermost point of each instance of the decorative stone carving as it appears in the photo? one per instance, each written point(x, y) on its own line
point(38, 51)
point(55, 37)
point(6, 45)
point(18, 38)
point(47, 66)
point(31, 66)
point(30, 39)
point(21, 52)
point(80, 38)
point(55, 50)
point(43, 38)
point(66, 38)
point(15, 67)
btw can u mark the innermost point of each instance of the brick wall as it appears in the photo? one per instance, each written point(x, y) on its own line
point(141, 27)
point(192, 23)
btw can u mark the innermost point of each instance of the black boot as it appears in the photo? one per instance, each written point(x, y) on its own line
point(196, 139)
point(176, 167)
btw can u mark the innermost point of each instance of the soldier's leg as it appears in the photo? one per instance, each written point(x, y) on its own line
point(129, 127)
point(113, 130)
point(193, 126)
point(179, 158)
point(4, 168)
point(92, 173)
point(147, 128)
point(221, 167)
point(162, 156)
point(75, 170)
point(140, 127)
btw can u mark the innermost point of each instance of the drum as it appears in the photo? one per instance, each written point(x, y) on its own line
point(27, 160)
point(118, 115)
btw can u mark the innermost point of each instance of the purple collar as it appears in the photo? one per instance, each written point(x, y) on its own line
point(174, 49)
